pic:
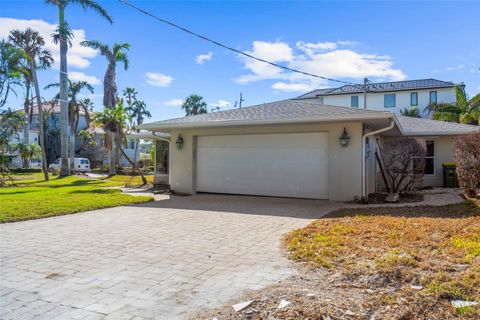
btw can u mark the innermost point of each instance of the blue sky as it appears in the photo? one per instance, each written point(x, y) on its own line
point(345, 40)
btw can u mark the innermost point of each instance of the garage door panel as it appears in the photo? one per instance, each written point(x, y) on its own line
point(288, 165)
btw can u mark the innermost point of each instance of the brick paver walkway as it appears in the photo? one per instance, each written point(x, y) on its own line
point(162, 260)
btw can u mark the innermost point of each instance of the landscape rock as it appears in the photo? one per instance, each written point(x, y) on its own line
point(392, 198)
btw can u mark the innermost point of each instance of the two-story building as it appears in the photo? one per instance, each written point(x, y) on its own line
point(387, 96)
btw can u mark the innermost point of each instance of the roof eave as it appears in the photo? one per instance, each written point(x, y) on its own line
point(210, 124)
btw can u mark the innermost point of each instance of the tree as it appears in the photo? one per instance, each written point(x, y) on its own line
point(464, 110)
point(467, 158)
point(194, 104)
point(28, 152)
point(74, 107)
point(113, 55)
point(404, 163)
point(33, 45)
point(412, 112)
point(115, 122)
point(10, 69)
point(63, 38)
point(137, 110)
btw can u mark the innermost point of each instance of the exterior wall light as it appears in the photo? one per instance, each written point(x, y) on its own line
point(344, 138)
point(179, 142)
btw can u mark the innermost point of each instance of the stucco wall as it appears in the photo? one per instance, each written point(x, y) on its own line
point(344, 162)
point(376, 100)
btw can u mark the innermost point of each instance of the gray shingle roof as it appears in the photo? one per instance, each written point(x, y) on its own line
point(381, 87)
point(421, 126)
point(287, 110)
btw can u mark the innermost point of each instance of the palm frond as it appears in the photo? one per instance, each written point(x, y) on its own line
point(95, 6)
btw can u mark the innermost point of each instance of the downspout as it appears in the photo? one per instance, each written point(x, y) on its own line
point(364, 163)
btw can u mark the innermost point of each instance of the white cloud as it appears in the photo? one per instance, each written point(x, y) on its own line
point(77, 56)
point(80, 76)
point(222, 104)
point(158, 79)
point(321, 58)
point(174, 102)
point(200, 59)
point(293, 87)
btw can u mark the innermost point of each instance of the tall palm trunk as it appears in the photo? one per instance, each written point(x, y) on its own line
point(40, 119)
point(26, 107)
point(134, 166)
point(64, 170)
point(72, 149)
point(109, 101)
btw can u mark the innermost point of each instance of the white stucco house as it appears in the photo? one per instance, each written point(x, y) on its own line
point(292, 148)
point(388, 96)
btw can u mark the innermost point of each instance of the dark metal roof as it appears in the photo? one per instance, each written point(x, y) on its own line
point(380, 87)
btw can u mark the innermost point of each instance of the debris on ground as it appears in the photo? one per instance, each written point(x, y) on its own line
point(242, 305)
point(283, 304)
point(462, 304)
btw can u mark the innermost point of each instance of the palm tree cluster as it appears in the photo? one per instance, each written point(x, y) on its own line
point(464, 110)
point(35, 56)
point(25, 53)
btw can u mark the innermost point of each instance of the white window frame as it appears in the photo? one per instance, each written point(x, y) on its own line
point(394, 100)
point(411, 95)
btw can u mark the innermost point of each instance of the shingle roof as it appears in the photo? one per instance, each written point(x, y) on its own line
point(284, 110)
point(422, 126)
point(381, 87)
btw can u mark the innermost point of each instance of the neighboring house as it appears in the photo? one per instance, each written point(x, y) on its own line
point(292, 148)
point(387, 96)
point(53, 120)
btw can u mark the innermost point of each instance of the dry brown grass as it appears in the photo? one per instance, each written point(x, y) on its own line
point(440, 254)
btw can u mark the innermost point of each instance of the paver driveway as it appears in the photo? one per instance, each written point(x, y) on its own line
point(162, 260)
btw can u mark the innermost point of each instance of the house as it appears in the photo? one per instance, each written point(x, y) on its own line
point(387, 96)
point(294, 148)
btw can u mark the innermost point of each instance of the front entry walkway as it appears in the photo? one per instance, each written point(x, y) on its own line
point(161, 260)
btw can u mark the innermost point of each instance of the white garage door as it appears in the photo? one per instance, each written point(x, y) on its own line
point(283, 165)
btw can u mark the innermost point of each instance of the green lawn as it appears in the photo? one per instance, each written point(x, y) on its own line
point(32, 198)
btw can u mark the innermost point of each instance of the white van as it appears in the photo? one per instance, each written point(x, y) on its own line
point(80, 165)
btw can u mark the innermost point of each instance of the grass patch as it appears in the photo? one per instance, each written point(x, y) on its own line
point(398, 247)
point(130, 181)
point(30, 197)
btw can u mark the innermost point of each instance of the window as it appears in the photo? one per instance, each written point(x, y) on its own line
point(433, 96)
point(430, 157)
point(389, 100)
point(414, 99)
point(354, 101)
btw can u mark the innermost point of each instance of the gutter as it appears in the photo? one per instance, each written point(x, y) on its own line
point(364, 169)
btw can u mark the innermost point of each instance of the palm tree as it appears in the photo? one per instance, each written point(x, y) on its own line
point(33, 44)
point(463, 110)
point(74, 107)
point(194, 104)
point(10, 69)
point(138, 111)
point(28, 152)
point(113, 55)
point(114, 121)
point(412, 112)
point(63, 38)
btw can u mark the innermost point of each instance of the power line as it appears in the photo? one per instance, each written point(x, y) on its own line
point(230, 48)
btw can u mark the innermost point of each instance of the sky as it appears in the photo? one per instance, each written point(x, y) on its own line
point(380, 40)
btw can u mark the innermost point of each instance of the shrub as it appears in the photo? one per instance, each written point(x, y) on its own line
point(467, 157)
point(23, 170)
point(403, 160)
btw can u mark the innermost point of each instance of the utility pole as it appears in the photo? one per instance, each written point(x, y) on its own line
point(241, 100)
point(365, 83)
